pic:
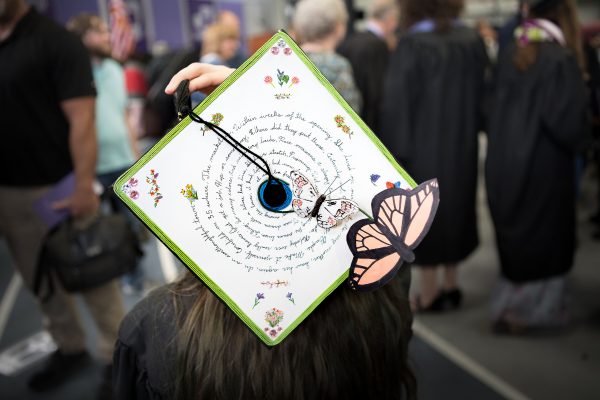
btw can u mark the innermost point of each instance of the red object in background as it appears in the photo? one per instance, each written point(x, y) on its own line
point(135, 81)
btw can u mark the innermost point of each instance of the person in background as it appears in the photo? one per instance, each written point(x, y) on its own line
point(591, 49)
point(47, 101)
point(137, 90)
point(430, 121)
point(490, 38)
point(117, 142)
point(321, 26)
point(368, 54)
point(230, 20)
point(220, 44)
point(537, 125)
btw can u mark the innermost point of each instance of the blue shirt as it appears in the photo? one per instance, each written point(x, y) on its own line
point(114, 148)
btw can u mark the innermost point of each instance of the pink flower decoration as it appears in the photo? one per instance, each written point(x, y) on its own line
point(295, 80)
point(287, 51)
point(133, 182)
point(268, 79)
point(275, 50)
point(134, 194)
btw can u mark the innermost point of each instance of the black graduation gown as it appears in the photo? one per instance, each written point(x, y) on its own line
point(537, 123)
point(431, 116)
point(369, 55)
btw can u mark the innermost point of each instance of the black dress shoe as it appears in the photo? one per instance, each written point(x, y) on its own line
point(437, 305)
point(453, 298)
point(57, 370)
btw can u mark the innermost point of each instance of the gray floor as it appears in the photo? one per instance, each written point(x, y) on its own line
point(565, 366)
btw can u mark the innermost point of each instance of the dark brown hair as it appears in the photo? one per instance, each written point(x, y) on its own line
point(441, 11)
point(563, 14)
point(352, 346)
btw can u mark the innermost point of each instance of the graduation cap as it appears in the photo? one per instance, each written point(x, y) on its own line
point(266, 191)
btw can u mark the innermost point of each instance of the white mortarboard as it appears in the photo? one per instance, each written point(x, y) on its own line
point(273, 261)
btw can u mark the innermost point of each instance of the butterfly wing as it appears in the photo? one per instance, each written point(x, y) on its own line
point(332, 211)
point(304, 194)
point(375, 260)
point(406, 215)
point(402, 219)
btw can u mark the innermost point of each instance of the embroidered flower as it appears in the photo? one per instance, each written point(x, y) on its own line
point(273, 317)
point(295, 81)
point(217, 118)
point(287, 51)
point(189, 193)
point(290, 297)
point(134, 194)
point(133, 182)
point(258, 298)
point(274, 50)
point(269, 80)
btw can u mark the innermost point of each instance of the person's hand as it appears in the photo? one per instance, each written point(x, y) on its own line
point(203, 77)
point(82, 203)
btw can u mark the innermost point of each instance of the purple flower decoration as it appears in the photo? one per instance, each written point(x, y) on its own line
point(274, 50)
point(273, 333)
point(133, 182)
point(290, 298)
point(134, 194)
point(258, 298)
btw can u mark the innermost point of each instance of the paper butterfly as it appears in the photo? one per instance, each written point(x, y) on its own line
point(307, 202)
point(390, 185)
point(401, 220)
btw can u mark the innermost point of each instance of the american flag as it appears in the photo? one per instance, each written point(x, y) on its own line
point(121, 32)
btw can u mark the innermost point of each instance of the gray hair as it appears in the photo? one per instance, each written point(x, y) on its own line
point(378, 9)
point(316, 19)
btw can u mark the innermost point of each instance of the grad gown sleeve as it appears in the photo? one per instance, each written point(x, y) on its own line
point(143, 357)
point(129, 377)
point(563, 114)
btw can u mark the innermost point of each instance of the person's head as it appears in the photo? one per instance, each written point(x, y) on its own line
point(229, 19)
point(443, 12)
point(320, 20)
point(564, 14)
point(9, 9)
point(93, 32)
point(385, 14)
point(354, 345)
point(220, 39)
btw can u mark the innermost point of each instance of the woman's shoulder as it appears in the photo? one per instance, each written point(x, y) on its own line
point(155, 309)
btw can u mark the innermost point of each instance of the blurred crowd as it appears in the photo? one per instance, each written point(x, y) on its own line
point(426, 83)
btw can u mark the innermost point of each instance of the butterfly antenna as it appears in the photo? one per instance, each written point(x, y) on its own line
point(339, 186)
point(334, 179)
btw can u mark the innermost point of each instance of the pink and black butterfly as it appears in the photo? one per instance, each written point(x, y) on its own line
point(307, 202)
point(401, 220)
